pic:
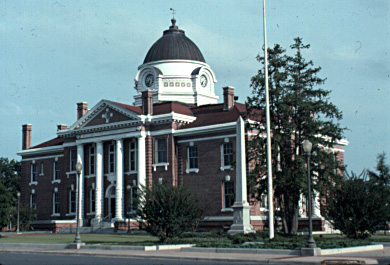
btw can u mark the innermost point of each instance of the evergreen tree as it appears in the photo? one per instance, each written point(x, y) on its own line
point(383, 169)
point(9, 185)
point(299, 109)
point(169, 210)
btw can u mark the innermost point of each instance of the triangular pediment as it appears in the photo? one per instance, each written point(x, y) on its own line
point(106, 113)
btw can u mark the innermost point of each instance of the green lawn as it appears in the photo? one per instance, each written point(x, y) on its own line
point(121, 239)
point(205, 240)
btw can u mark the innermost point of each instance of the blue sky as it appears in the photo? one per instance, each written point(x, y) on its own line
point(54, 54)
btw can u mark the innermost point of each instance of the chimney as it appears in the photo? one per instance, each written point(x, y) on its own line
point(228, 98)
point(147, 102)
point(26, 140)
point(61, 127)
point(82, 108)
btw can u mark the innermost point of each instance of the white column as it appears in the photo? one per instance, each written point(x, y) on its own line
point(119, 180)
point(316, 205)
point(241, 217)
point(99, 182)
point(141, 163)
point(302, 206)
point(80, 158)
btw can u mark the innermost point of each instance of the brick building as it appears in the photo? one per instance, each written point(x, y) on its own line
point(175, 132)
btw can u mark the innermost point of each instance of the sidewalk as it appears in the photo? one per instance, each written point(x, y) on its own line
point(370, 257)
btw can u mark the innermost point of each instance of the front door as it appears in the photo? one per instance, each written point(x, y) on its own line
point(112, 207)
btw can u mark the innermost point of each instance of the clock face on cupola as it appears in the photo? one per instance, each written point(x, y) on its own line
point(175, 70)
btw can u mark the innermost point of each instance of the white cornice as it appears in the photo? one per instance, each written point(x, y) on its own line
point(207, 138)
point(43, 150)
point(206, 129)
point(171, 117)
point(96, 109)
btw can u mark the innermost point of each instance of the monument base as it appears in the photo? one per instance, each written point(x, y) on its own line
point(241, 220)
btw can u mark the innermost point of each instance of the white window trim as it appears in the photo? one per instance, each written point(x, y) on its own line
point(223, 166)
point(54, 202)
point(41, 172)
point(109, 158)
point(70, 202)
point(70, 173)
point(31, 174)
point(226, 209)
point(157, 151)
point(89, 162)
point(191, 170)
point(54, 173)
point(135, 150)
point(160, 165)
point(31, 195)
point(70, 160)
point(90, 201)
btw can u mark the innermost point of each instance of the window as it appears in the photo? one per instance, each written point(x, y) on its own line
point(228, 194)
point(133, 155)
point(227, 152)
point(91, 200)
point(111, 158)
point(56, 203)
point(72, 201)
point(161, 150)
point(133, 199)
point(73, 159)
point(192, 157)
point(33, 172)
point(56, 173)
point(33, 201)
point(41, 174)
point(92, 160)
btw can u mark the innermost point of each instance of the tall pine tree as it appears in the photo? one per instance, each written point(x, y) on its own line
point(299, 109)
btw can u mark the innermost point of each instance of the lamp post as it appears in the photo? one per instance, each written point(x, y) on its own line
point(307, 145)
point(128, 187)
point(79, 167)
point(17, 227)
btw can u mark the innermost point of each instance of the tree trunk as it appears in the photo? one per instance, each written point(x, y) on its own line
point(290, 216)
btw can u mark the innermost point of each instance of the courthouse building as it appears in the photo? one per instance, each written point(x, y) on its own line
point(174, 132)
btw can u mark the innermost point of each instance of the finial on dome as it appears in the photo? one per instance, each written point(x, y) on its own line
point(173, 20)
point(173, 13)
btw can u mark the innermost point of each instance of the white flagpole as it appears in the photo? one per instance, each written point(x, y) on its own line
point(269, 161)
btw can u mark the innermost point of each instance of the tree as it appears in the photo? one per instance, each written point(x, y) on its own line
point(357, 206)
point(299, 109)
point(169, 210)
point(383, 175)
point(9, 185)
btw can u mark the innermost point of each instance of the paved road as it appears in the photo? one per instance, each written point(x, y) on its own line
point(70, 259)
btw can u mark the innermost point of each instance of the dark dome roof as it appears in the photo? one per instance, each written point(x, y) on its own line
point(174, 45)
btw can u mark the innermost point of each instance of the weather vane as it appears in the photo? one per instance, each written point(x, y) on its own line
point(173, 12)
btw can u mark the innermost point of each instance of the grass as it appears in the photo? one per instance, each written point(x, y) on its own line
point(109, 239)
point(214, 239)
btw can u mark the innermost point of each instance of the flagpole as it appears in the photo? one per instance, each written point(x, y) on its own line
point(269, 161)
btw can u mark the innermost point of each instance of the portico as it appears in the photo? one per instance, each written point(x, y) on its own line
point(110, 172)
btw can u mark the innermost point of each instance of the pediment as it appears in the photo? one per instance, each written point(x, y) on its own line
point(106, 113)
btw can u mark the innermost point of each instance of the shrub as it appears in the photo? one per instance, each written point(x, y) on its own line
point(357, 206)
point(169, 210)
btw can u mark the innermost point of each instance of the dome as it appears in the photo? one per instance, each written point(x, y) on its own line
point(174, 45)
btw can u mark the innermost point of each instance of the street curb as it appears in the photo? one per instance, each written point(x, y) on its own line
point(300, 252)
point(244, 250)
point(285, 260)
